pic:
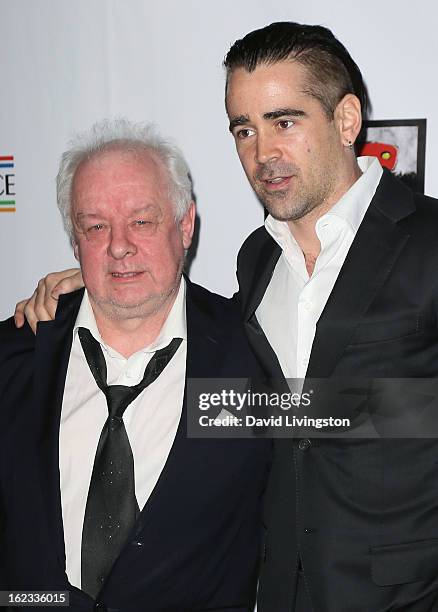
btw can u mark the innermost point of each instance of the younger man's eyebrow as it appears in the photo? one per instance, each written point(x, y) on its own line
point(284, 112)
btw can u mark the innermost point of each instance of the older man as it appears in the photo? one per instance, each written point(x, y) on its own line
point(341, 281)
point(101, 492)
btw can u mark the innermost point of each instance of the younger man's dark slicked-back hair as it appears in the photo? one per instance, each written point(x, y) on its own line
point(332, 73)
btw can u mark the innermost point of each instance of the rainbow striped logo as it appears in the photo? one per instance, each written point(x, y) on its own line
point(7, 183)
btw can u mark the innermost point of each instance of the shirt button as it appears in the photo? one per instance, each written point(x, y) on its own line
point(308, 306)
point(305, 361)
point(304, 444)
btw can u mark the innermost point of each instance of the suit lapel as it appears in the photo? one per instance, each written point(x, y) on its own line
point(375, 249)
point(205, 352)
point(205, 345)
point(52, 352)
point(264, 266)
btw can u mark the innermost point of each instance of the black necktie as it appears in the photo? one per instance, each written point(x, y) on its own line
point(112, 508)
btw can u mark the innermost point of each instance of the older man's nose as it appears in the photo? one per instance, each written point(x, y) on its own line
point(120, 244)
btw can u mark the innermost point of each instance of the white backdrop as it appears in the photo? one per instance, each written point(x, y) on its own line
point(67, 64)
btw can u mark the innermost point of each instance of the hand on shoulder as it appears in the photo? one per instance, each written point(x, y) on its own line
point(41, 306)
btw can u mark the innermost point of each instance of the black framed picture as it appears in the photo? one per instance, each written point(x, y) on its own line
point(400, 146)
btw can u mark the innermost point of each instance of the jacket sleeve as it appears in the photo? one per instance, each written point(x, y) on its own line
point(16, 346)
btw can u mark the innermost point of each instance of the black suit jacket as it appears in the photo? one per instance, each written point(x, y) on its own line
point(361, 514)
point(195, 545)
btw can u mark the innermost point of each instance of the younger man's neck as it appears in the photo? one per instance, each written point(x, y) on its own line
point(304, 229)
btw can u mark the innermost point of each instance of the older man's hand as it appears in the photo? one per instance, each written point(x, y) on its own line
point(41, 306)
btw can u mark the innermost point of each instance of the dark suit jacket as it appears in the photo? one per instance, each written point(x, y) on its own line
point(361, 514)
point(195, 546)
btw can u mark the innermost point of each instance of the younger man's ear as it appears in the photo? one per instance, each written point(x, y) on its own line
point(348, 116)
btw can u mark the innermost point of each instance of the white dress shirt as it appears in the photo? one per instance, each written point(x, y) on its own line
point(293, 301)
point(151, 420)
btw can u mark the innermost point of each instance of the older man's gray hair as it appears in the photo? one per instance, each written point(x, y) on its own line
point(126, 135)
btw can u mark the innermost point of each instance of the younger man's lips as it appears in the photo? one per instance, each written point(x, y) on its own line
point(278, 182)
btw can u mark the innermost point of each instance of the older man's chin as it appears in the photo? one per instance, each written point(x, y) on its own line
point(119, 310)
